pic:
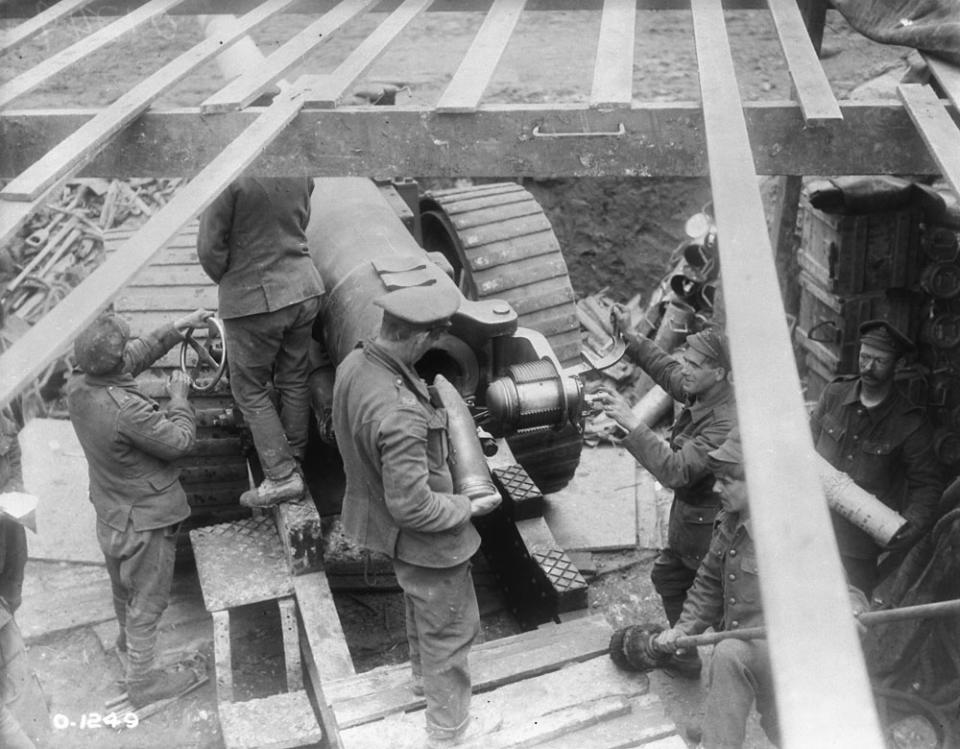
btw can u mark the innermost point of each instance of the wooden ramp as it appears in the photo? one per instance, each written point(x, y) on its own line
point(551, 687)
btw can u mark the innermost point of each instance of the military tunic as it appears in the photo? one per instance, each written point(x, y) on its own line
point(681, 464)
point(252, 243)
point(887, 450)
point(399, 501)
point(130, 445)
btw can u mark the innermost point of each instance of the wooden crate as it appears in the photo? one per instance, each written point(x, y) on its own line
point(859, 254)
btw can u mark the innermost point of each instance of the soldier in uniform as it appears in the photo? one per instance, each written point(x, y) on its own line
point(252, 243)
point(701, 382)
point(13, 559)
point(399, 499)
point(864, 426)
point(130, 445)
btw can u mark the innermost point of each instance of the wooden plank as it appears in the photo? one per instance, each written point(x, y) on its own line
point(936, 127)
point(78, 148)
point(222, 656)
point(279, 721)
point(291, 643)
point(55, 63)
point(322, 627)
point(812, 87)
point(613, 72)
point(244, 89)
point(46, 340)
point(328, 90)
point(384, 691)
point(818, 669)
point(948, 76)
point(141, 299)
point(646, 725)
point(32, 27)
point(520, 703)
point(662, 139)
point(475, 71)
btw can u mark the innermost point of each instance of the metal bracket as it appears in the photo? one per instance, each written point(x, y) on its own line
point(620, 132)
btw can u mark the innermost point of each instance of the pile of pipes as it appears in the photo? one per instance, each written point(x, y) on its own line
point(62, 243)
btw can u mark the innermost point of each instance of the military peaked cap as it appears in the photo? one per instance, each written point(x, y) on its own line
point(712, 343)
point(422, 306)
point(882, 335)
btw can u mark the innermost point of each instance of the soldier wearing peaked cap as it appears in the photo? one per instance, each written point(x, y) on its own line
point(130, 445)
point(400, 500)
point(864, 426)
point(701, 382)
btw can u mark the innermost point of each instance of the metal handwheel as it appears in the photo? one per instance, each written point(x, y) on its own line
point(211, 356)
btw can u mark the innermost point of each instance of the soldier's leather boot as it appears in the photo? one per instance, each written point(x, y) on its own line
point(272, 492)
point(476, 728)
point(160, 684)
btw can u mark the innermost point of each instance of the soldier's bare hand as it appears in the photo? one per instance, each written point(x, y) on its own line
point(621, 318)
point(194, 320)
point(178, 386)
point(485, 503)
point(617, 408)
point(666, 641)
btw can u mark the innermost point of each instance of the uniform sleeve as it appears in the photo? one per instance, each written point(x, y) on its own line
point(140, 353)
point(402, 442)
point(660, 365)
point(674, 468)
point(704, 605)
point(925, 480)
point(167, 435)
point(13, 560)
point(213, 249)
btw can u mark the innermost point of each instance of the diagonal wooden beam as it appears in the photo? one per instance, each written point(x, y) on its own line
point(243, 90)
point(51, 336)
point(613, 72)
point(813, 90)
point(475, 71)
point(81, 146)
point(328, 90)
point(819, 673)
point(55, 63)
point(29, 29)
point(948, 76)
point(936, 127)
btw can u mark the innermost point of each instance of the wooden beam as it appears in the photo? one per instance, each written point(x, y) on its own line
point(328, 90)
point(812, 87)
point(81, 146)
point(51, 336)
point(14, 215)
point(55, 63)
point(613, 73)
point(948, 76)
point(243, 90)
point(819, 673)
point(937, 129)
point(29, 29)
point(661, 139)
point(473, 76)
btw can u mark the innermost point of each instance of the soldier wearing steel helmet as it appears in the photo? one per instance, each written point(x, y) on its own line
point(400, 500)
point(130, 444)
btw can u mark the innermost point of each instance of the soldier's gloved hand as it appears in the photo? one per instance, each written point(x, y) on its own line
point(485, 503)
point(194, 320)
point(858, 605)
point(666, 641)
point(178, 385)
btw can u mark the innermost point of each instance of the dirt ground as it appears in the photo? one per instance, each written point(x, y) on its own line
point(615, 233)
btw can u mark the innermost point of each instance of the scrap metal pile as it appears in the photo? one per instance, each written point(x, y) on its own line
point(61, 245)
